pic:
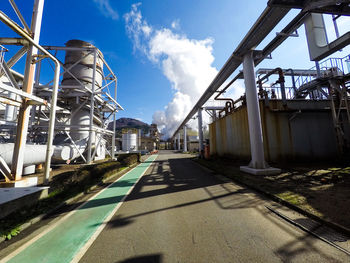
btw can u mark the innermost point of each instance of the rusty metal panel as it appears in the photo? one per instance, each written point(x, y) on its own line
point(302, 130)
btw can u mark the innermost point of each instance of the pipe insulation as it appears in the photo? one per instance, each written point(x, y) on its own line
point(33, 153)
point(69, 151)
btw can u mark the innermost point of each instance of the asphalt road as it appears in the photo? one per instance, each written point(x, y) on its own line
point(180, 212)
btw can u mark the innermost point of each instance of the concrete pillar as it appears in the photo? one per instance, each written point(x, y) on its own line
point(185, 139)
point(200, 131)
point(257, 165)
point(178, 142)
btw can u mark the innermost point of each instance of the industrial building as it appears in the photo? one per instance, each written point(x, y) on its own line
point(284, 114)
point(133, 140)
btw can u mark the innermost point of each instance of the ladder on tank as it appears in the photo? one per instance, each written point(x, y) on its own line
point(339, 95)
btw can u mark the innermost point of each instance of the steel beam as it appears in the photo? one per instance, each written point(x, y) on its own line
point(289, 72)
point(114, 123)
point(89, 160)
point(337, 7)
point(23, 117)
point(18, 13)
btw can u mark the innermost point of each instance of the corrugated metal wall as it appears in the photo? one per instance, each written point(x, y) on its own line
point(302, 130)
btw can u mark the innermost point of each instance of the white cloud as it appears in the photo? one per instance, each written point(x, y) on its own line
point(106, 9)
point(186, 63)
point(175, 24)
point(137, 28)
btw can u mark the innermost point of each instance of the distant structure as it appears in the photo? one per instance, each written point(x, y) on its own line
point(130, 139)
point(134, 140)
point(151, 142)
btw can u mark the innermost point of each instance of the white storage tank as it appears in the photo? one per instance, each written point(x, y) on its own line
point(129, 140)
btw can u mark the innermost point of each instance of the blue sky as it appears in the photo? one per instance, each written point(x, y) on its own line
point(143, 42)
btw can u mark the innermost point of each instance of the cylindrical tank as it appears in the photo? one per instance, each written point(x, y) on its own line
point(83, 70)
point(129, 140)
point(80, 64)
point(80, 120)
point(11, 111)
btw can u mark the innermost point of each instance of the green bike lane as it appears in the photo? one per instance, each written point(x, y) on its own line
point(66, 239)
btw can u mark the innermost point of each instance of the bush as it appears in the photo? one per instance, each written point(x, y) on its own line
point(129, 159)
point(62, 187)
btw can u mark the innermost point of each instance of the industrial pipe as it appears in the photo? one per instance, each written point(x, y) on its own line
point(280, 80)
point(24, 34)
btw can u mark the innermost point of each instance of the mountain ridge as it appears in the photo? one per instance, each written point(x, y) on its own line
point(122, 123)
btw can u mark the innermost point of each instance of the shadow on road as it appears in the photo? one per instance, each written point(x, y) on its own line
point(157, 258)
point(181, 174)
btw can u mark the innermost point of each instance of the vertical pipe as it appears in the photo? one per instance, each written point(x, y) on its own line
point(254, 121)
point(114, 122)
point(37, 82)
point(88, 160)
point(178, 142)
point(23, 118)
point(334, 18)
point(185, 139)
point(200, 132)
point(51, 132)
point(214, 115)
point(283, 93)
point(10, 109)
point(318, 70)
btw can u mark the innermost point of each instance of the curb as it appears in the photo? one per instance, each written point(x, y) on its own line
point(325, 222)
point(71, 200)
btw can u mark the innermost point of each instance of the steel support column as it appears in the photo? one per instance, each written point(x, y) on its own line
point(178, 142)
point(255, 130)
point(200, 132)
point(185, 139)
point(28, 81)
point(92, 105)
point(51, 131)
point(114, 123)
point(257, 165)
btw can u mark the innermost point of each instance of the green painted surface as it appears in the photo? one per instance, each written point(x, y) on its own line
point(63, 242)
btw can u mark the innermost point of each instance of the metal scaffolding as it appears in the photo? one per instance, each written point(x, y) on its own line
point(44, 111)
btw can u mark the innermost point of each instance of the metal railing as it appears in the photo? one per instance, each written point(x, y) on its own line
point(328, 67)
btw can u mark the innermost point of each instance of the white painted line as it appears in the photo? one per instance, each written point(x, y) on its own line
point(24, 246)
point(88, 244)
